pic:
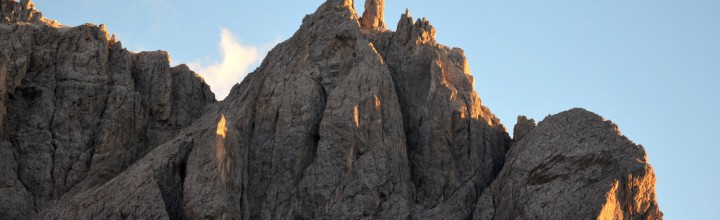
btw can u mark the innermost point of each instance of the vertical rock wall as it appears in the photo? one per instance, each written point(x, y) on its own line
point(78, 108)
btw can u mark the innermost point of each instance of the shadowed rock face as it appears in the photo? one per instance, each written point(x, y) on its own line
point(344, 120)
point(573, 165)
point(78, 109)
point(523, 127)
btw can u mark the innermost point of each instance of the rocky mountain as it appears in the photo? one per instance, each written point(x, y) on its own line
point(573, 165)
point(344, 120)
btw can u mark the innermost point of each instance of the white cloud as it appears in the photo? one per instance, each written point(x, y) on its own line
point(237, 61)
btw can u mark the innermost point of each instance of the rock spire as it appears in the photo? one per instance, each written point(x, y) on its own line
point(374, 15)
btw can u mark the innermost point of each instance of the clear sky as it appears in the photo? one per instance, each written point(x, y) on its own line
point(651, 66)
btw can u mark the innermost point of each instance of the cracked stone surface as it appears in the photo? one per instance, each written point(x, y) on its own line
point(344, 120)
point(573, 165)
point(78, 109)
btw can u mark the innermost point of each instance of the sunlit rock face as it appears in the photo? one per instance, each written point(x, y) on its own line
point(456, 146)
point(344, 120)
point(22, 12)
point(374, 15)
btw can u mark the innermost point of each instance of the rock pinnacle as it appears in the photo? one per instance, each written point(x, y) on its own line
point(374, 15)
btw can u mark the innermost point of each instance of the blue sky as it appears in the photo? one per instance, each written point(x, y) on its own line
point(651, 66)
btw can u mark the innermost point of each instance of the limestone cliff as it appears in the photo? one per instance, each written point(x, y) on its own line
point(344, 120)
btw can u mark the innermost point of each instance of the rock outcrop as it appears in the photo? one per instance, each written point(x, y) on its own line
point(374, 15)
point(573, 165)
point(344, 120)
point(78, 109)
point(23, 12)
point(523, 127)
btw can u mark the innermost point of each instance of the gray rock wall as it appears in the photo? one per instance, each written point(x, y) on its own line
point(573, 165)
point(344, 120)
point(79, 109)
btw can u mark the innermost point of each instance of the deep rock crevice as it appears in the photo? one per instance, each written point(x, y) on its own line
point(171, 179)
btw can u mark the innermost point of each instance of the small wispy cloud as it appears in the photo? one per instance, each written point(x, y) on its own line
point(236, 62)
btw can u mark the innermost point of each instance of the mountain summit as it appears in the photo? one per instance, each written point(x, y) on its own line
point(344, 120)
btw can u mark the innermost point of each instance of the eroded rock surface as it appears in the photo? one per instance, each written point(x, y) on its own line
point(344, 120)
point(573, 165)
point(323, 132)
point(523, 127)
point(23, 12)
point(78, 108)
point(374, 15)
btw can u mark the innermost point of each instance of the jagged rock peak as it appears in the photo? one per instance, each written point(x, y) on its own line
point(89, 108)
point(338, 122)
point(523, 127)
point(420, 32)
point(24, 11)
point(374, 15)
point(337, 4)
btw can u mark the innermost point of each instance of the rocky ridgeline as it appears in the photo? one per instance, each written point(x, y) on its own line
point(344, 120)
